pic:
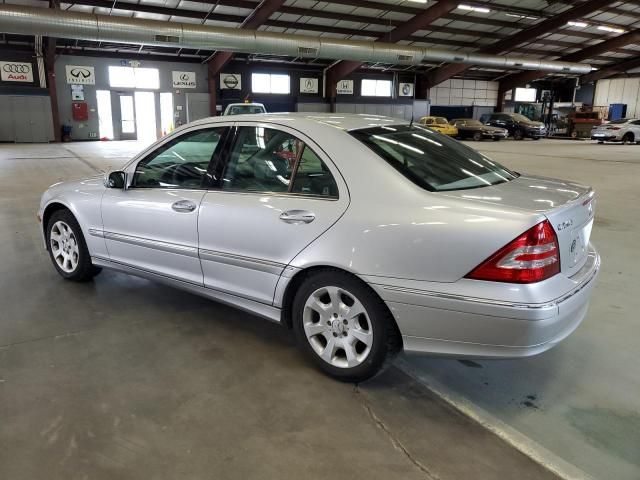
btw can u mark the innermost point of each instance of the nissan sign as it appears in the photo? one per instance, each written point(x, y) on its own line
point(230, 81)
point(184, 79)
point(80, 75)
point(16, 72)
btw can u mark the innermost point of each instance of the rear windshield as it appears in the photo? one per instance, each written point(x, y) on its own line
point(243, 109)
point(431, 160)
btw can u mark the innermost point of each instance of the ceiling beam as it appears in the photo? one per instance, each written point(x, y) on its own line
point(523, 78)
point(444, 73)
point(401, 32)
point(260, 14)
point(614, 69)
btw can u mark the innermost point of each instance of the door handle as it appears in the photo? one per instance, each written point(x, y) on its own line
point(184, 206)
point(297, 216)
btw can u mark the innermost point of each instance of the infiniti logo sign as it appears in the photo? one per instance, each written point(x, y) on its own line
point(80, 73)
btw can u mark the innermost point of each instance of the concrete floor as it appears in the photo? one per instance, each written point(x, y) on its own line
point(125, 377)
point(122, 378)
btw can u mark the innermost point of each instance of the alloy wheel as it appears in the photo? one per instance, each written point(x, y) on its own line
point(64, 246)
point(337, 327)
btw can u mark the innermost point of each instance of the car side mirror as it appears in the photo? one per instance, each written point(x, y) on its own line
point(117, 180)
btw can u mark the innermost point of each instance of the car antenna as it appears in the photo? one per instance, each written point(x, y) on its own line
point(411, 122)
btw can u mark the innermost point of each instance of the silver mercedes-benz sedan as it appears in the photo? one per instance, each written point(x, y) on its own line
point(366, 235)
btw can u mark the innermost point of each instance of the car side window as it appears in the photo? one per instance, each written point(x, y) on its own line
point(636, 122)
point(264, 159)
point(180, 163)
point(313, 177)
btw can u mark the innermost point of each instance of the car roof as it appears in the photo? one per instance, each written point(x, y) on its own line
point(243, 104)
point(342, 121)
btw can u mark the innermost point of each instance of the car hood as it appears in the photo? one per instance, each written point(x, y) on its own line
point(533, 124)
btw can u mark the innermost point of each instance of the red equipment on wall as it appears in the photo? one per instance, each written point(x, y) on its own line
point(79, 111)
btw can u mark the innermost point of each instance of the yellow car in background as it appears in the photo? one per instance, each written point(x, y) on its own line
point(439, 124)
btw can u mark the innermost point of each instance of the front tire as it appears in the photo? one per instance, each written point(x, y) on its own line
point(68, 249)
point(628, 138)
point(518, 135)
point(477, 136)
point(343, 326)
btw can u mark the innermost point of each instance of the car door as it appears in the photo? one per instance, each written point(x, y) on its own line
point(153, 223)
point(278, 191)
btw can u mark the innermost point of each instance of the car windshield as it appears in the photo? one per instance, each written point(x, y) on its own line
point(243, 109)
point(619, 121)
point(472, 123)
point(441, 121)
point(520, 118)
point(431, 160)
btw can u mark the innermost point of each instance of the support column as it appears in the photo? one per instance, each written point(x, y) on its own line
point(500, 101)
point(50, 61)
point(213, 94)
point(331, 92)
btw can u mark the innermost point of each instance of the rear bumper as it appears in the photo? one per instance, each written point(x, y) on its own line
point(460, 326)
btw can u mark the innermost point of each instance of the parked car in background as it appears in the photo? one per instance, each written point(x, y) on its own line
point(439, 124)
point(625, 130)
point(244, 108)
point(519, 126)
point(476, 130)
point(440, 250)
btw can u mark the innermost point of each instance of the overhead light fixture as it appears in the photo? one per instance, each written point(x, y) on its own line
point(605, 28)
point(418, 1)
point(471, 8)
point(515, 15)
point(578, 24)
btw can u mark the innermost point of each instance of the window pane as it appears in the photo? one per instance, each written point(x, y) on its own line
point(313, 177)
point(368, 88)
point(121, 77)
point(383, 88)
point(260, 83)
point(280, 84)
point(261, 160)
point(183, 162)
point(431, 160)
point(147, 78)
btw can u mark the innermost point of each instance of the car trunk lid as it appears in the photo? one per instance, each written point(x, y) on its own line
point(568, 206)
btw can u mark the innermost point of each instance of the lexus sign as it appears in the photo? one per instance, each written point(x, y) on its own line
point(16, 72)
point(184, 79)
point(79, 75)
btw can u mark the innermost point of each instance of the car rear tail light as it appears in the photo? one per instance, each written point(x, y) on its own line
point(532, 257)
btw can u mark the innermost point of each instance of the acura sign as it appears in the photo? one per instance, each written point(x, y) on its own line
point(16, 72)
point(184, 79)
point(80, 75)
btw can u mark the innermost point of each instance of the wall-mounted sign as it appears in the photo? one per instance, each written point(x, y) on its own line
point(80, 75)
point(308, 85)
point(16, 72)
point(344, 87)
point(77, 92)
point(405, 89)
point(230, 81)
point(184, 79)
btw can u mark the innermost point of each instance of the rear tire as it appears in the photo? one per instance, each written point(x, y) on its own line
point(477, 136)
point(518, 135)
point(343, 326)
point(68, 249)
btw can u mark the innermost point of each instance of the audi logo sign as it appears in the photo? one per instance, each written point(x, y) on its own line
point(80, 75)
point(16, 72)
point(184, 79)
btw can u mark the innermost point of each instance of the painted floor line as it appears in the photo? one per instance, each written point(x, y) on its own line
point(519, 441)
